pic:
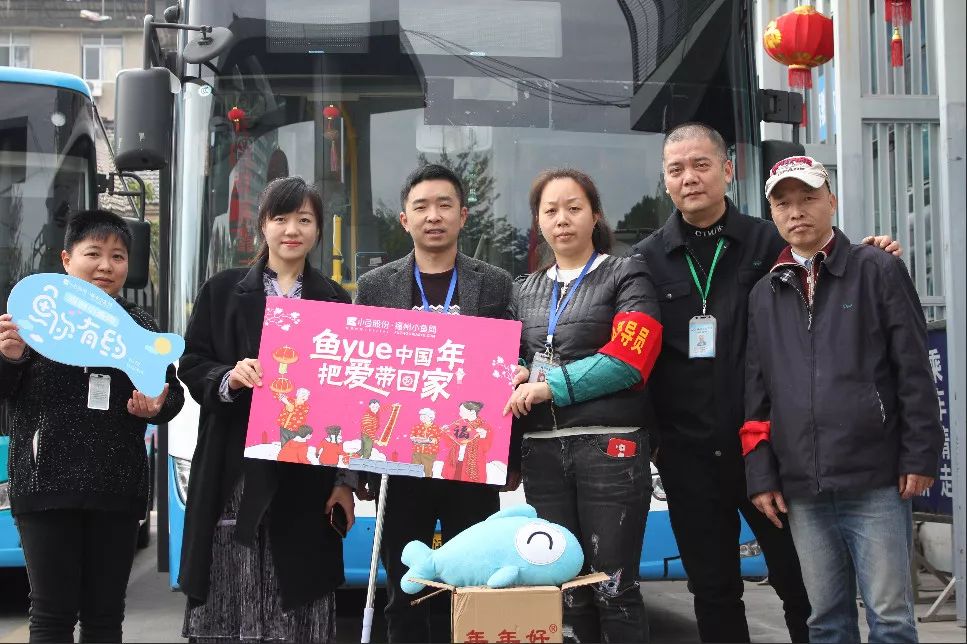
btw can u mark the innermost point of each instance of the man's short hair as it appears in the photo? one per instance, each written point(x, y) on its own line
point(98, 225)
point(695, 130)
point(430, 172)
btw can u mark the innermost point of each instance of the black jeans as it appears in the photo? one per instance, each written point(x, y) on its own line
point(604, 501)
point(413, 506)
point(705, 495)
point(78, 564)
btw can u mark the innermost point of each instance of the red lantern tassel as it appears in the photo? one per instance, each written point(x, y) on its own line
point(333, 157)
point(896, 11)
point(800, 76)
point(896, 48)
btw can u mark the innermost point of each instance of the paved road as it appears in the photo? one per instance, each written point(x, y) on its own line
point(154, 613)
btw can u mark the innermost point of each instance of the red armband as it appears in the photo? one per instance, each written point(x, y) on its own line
point(636, 341)
point(752, 433)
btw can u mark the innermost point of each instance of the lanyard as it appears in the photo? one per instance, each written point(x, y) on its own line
point(708, 283)
point(556, 308)
point(419, 284)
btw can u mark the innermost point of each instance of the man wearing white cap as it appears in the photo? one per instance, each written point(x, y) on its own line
point(843, 425)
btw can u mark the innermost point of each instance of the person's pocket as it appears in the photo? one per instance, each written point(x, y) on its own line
point(617, 446)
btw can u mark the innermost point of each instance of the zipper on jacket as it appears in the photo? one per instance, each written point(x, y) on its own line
point(812, 406)
point(34, 460)
point(812, 373)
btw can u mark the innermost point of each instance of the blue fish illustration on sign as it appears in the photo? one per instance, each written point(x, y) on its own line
point(73, 322)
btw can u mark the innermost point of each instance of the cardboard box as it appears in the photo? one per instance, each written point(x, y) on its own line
point(525, 614)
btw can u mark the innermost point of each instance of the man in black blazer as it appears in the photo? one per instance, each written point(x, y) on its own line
point(433, 277)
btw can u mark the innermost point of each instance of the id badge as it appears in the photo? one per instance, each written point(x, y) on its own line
point(99, 391)
point(540, 365)
point(701, 337)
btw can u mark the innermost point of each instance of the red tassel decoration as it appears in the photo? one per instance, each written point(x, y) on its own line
point(800, 76)
point(333, 157)
point(896, 48)
point(898, 11)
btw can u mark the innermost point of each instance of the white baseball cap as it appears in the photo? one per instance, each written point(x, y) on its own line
point(806, 169)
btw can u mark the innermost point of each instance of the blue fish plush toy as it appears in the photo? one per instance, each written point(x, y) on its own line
point(511, 548)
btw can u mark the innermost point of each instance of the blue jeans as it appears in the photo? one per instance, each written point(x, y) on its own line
point(856, 536)
point(604, 501)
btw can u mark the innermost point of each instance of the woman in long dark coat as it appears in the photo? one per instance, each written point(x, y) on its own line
point(258, 562)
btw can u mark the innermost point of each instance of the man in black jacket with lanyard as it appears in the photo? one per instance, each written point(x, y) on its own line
point(703, 263)
point(435, 277)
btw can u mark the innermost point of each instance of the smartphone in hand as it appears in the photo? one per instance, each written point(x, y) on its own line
point(338, 520)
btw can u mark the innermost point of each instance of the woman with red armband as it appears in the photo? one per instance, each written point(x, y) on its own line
point(590, 338)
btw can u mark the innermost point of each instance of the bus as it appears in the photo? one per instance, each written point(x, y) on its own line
point(352, 94)
point(49, 131)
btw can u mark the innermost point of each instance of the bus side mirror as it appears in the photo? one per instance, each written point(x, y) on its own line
point(143, 112)
point(140, 255)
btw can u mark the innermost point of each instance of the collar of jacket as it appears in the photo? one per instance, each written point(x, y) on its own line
point(313, 288)
point(835, 262)
point(468, 281)
point(736, 227)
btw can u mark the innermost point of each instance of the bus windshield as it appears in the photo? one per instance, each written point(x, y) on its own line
point(354, 95)
point(46, 172)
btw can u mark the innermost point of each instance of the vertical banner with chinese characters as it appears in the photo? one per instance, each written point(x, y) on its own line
point(938, 499)
point(384, 390)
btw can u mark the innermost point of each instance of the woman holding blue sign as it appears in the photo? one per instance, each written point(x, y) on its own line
point(78, 469)
point(590, 337)
point(260, 559)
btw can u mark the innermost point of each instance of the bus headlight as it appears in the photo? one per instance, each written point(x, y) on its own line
point(182, 471)
point(750, 549)
point(5, 495)
point(657, 489)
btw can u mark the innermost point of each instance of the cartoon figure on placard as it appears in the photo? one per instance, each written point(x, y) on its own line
point(330, 450)
point(296, 447)
point(426, 441)
point(469, 440)
point(369, 432)
point(294, 414)
point(368, 426)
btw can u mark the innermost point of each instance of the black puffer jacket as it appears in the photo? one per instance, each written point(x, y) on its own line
point(617, 285)
point(86, 458)
point(847, 386)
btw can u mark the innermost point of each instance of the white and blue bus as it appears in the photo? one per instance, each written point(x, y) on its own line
point(352, 94)
point(48, 169)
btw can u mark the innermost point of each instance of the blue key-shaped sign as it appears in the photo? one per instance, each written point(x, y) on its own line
point(73, 322)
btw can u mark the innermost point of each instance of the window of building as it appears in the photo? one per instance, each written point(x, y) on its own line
point(101, 57)
point(14, 50)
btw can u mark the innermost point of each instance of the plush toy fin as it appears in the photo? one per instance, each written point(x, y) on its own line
point(418, 556)
point(504, 577)
point(522, 510)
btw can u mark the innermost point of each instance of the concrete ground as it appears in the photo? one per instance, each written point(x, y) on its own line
point(154, 613)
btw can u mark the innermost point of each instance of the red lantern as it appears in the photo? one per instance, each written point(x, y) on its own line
point(898, 13)
point(236, 115)
point(332, 112)
point(801, 39)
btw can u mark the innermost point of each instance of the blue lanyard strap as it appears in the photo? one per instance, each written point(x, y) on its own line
point(557, 308)
point(450, 291)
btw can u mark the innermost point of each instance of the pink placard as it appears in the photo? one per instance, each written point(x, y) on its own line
point(384, 390)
